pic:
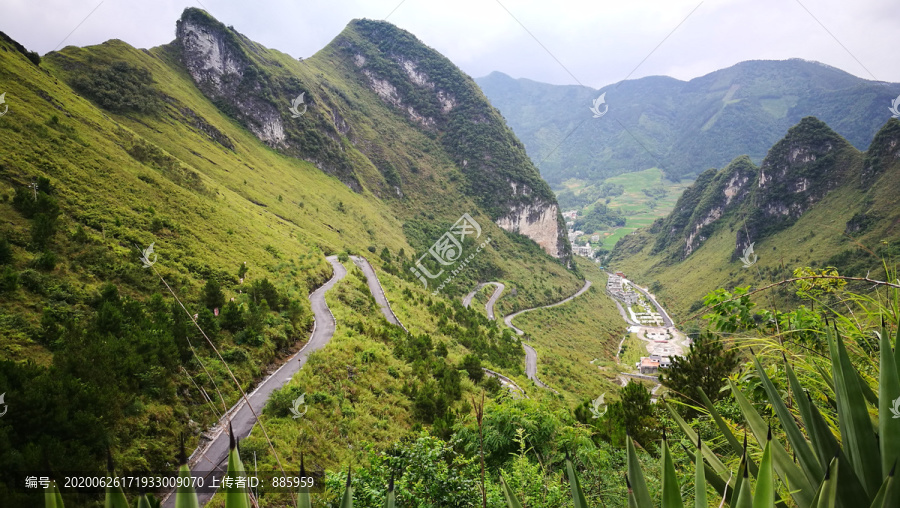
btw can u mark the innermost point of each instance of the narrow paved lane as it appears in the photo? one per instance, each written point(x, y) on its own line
point(530, 353)
point(213, 456)
point(508, 319)
point(489, 306)
point(377, 290)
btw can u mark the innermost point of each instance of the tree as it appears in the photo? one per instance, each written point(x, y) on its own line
point(213, 297)
point(705, 366)
point(472, 365)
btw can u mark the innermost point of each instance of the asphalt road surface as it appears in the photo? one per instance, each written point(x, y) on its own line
point(214, 456)
point(377, 291)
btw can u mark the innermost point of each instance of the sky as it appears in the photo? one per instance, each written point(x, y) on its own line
point(592, 43)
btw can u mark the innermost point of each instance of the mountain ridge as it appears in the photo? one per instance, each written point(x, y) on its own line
point(684, 127)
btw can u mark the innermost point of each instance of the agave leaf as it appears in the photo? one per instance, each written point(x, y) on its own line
point(699, 478)
point(511, 500)
point(235, 497)
point(744, 497)
point(799, 444)
point(185, 497)
point(708, 454)
point(882, 498)
point(671, 492)
point(347, 500)
point(897, 349)
point(143, 502)
point(636, 477)
point(857, 434)
point(764, 497)
point(391, 499)
point(828, 491)
point(575, 486)
point(303, 500)
point(789, 472)
point(52, 497)
point(115, 498)
point(632, 502)
point(888, 426)
point(723, 428)
point(850, 490)
point(717, 483)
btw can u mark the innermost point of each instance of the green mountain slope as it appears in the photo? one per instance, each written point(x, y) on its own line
point(683, 127)
point(815, 201)
point(191, 147)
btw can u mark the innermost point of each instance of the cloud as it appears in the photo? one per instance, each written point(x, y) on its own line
point(563, 41)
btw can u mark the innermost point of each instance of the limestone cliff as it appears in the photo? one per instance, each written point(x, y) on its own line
point(434, 95)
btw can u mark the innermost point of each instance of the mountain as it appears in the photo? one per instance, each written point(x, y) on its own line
point(814, 200)
point(683, 127)
point(240, 169)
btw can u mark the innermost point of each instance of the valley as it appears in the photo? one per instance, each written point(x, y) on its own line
point(218, 258)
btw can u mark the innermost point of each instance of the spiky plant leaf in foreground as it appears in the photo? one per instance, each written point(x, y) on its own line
point(882, 499)
point(699, 478)
point(235, 497)
point(636, 477)
point(52, 497)
point(303, 500)
point(575, 485)
point(764, 497)
point(744, 496)
point(790, 473)
point(889, 399)
point(857, 433)
point(185, 497)
point(827, 495)
point(347, 500)
point(800, 446)
point(391, 499)
point(511, 500)
point(671, 492)
point(115, 498)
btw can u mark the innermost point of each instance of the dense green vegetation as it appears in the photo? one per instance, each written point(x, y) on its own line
point(683, 127)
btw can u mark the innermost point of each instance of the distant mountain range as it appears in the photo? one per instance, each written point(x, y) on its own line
point(683, 127)
point(815, 200)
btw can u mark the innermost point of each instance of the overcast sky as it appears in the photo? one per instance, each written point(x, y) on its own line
point(593, 43)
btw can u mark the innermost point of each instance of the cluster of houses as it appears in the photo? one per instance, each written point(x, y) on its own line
point(619, 289)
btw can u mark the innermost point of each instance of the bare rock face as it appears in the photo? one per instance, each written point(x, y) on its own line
point(435, 95)
point(540, 222)
point(225, 75)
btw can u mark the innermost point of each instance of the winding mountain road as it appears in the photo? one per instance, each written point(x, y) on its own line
point(508, 319)
point(377, 290)
point(489, 306)
point(530, 353)
point(212, 456)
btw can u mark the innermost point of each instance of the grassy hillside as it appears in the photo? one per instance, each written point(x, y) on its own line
point(109, 149)
point(853, 227)
point(576, 342)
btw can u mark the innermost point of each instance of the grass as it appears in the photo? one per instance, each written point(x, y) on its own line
point(815, 238)
point(568, 337)
point(634, 203)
